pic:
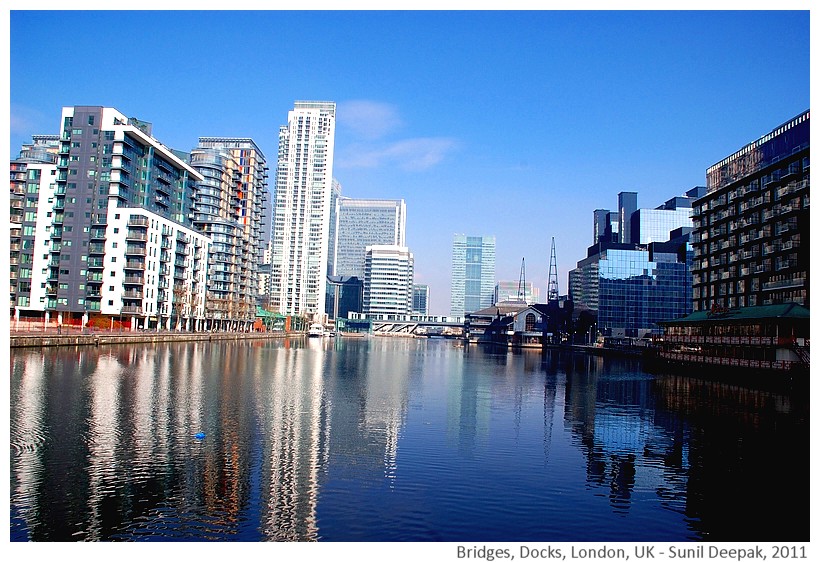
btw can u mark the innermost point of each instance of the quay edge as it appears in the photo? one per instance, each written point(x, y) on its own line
point(94, 339)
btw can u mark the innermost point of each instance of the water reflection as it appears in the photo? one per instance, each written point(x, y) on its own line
point(380, 439)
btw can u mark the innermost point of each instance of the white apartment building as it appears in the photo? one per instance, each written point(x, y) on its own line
point(388, 282)
point(107, 230)
point(302, 209)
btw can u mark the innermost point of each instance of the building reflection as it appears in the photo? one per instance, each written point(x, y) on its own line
point(27, 435)
point(287, 423)
point(690, 441)
point(747, 432)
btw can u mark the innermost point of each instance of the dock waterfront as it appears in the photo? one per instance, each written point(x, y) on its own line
point(51, 339)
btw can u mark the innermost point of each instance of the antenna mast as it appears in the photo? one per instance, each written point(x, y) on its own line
point(552, 285)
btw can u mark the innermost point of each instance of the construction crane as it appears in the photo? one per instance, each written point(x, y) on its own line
point(522, 284)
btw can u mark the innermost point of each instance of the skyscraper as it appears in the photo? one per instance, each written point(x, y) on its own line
point(302, 209)
point(473, 274)
point(366, 222)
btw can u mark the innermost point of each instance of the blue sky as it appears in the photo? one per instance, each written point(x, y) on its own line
point(512, 124)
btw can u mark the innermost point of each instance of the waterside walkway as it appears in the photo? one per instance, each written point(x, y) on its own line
point(28, 339)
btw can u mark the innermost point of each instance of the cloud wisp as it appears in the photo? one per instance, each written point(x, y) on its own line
point(371, 124)
point(408, 154)
point(369, 120)
point(25, 120)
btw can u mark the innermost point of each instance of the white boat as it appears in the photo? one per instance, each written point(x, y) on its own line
point(316, 331)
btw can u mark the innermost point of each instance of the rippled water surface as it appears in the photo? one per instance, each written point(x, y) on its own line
point(392, 440)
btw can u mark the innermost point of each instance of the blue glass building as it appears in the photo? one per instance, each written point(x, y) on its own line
point(473, 275)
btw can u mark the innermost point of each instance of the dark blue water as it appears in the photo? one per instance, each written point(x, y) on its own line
point(394, 440)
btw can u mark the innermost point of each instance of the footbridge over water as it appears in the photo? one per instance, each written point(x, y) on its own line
point(413, 325)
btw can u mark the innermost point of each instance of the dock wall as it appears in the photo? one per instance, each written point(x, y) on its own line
point(97, 339)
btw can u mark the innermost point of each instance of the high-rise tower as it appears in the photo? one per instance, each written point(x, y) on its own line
point(302, 209)
point(473, 274)
point(229, 207)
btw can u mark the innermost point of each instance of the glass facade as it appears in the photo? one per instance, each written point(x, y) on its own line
point(421, 299)
point(473, 274)
point(634, 293)
point(654, 225)
point(366, 222)
point(344, 295)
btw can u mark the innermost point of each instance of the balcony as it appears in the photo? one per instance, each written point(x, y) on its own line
point(139, 222)
point(133, 280)
point(131, 309)
point(135, 264)
point(135, 250)
point(96, 248)
point(132, 294)
point(136, 235)
point(784, 284)
point(97, 234)
point(96, 263)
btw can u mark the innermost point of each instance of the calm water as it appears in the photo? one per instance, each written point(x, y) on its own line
point(393, 440)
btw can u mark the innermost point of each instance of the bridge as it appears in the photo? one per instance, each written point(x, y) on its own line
point(413, 325)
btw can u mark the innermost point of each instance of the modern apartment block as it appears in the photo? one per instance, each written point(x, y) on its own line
point(302, 209)
point(421, 299)
point(388, 281)
point(33, 178)
point(472, 285)
point(366, 222)
point(229, 209)
point(751, 229)
point(110, 232)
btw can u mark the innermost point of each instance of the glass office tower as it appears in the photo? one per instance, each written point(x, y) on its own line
point(638, 288)
point(473, 274)
point(366, 222)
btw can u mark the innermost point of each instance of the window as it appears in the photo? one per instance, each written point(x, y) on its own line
point(90, 119)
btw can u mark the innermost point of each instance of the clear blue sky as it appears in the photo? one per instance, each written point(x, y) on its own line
point(513, 124)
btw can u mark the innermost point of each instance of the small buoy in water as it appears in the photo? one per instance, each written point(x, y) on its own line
point(200, 435)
